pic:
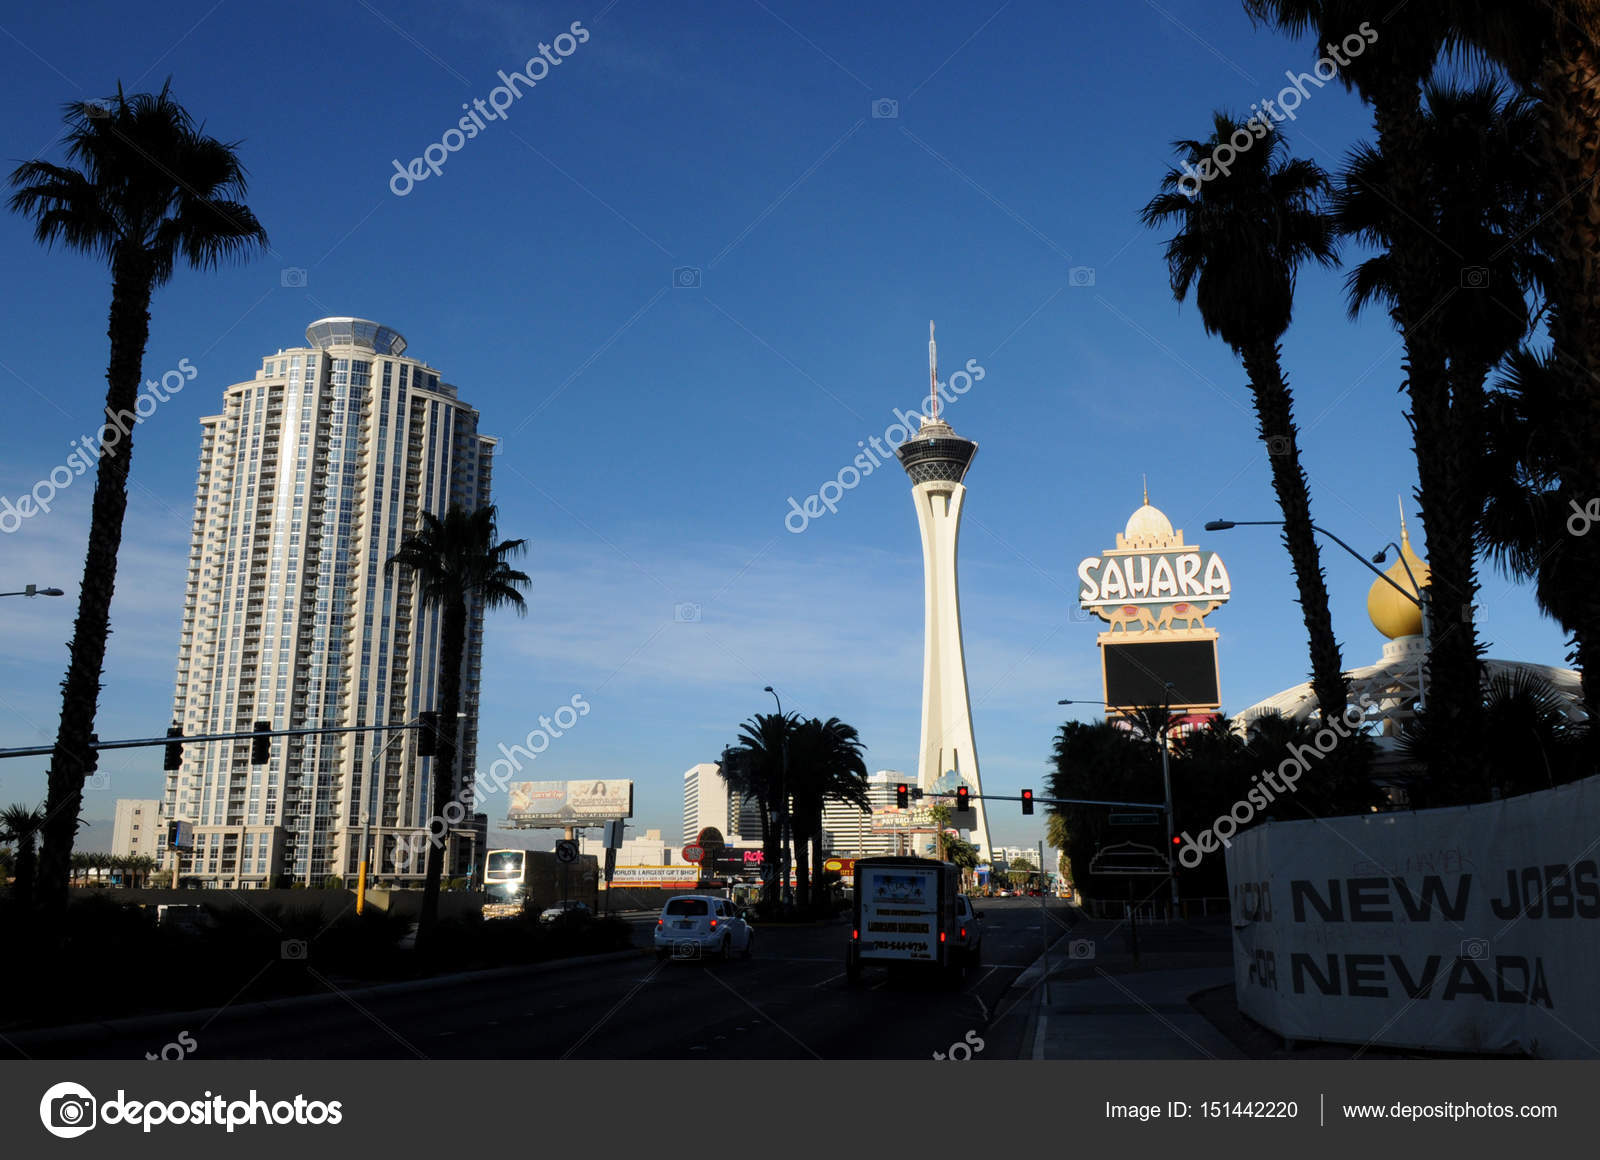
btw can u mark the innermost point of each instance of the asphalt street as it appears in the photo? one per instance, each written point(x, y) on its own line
point(790, 1000)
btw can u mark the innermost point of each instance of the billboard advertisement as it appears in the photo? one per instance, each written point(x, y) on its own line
point(1462, 929)
point(892, 818)
point(564, 803)
point(643, 877)
point(1138, 674)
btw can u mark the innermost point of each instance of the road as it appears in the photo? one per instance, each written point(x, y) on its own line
point(789, 1001)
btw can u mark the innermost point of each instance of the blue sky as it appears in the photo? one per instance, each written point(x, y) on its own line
point(653, 433)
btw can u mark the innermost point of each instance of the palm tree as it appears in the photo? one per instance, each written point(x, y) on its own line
point(1524, 525)
point(1552, 50)
point(1242, 237)
point(1479, 206)
point(149, 188)
point(143, 866)
point(20, 826)
point(1531, 742)
point(762, 773)
point(1388, 75)
point(942, 816)
point(456, 562)
point(825, 764)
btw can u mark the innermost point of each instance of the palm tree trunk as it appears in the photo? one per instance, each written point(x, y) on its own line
point(452, 639)
point(1421, 282)
point(71, 760)
point(817, 872)
point(802, 861)
point(26, 870)
point(1570, 110)
point(1275, 417)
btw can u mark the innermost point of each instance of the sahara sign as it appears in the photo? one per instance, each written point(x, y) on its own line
point(1152, 580)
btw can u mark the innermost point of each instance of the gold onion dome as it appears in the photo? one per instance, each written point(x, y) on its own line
point(1392, 614)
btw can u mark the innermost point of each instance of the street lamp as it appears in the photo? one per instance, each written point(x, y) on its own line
point(1166, 780)
point(34, 590)
point(779, 817)
point(1224, 525)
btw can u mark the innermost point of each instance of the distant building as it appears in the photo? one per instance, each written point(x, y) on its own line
point(708, 800)
point(849, 831)
point(137, 825)
point(647, 849)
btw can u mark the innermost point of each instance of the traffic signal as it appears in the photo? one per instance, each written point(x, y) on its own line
point(962, 802)
point(261, 743)
point(428, 737)
point(174, 758)
point(902, 795)
point(1027, 801)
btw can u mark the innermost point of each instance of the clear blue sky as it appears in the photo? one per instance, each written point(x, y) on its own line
point(653, 434)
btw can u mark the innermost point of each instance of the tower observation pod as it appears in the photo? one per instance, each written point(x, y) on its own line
point(937, 459)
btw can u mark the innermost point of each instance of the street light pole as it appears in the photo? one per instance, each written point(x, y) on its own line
point(1414, 597)
point(33, 590)
point(1166, 788)
point(783, 813)
point(1166, 780)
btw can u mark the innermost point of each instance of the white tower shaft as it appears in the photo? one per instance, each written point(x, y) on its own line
point(947, 741)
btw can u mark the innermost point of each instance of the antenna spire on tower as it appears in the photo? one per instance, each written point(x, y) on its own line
point(1400, 503)
point(1146, 479)
point(933, 371)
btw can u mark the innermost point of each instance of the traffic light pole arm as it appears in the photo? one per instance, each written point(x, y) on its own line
point(1050, 801)
point(137, 743)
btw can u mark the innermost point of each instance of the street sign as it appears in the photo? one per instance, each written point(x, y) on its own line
point(1130, 860)
point(180, 835)
point(566, 851)
point(693, 853)
point(1134, 819)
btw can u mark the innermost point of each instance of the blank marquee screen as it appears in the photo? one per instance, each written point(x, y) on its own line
point(1137, 674)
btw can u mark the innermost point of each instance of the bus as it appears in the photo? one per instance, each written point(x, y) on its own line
point(505, 883)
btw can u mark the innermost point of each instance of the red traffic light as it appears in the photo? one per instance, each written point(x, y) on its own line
point(1176, 841)
point(962, 796)
point(1027, 801)
point(902, 795)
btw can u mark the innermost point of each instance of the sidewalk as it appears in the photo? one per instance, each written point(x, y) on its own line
point(1139, 1015)
point(1098, 1002)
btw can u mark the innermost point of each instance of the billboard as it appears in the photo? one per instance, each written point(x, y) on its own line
point(1461, 929)
point(890, 819)
point(643, 877)
point(565, 803)
point(1137, 674)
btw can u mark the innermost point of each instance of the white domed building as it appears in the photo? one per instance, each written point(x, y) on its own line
point(1396, 685)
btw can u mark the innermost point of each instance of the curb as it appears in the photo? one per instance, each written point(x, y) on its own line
point(161, 1021)
point(1035, 971)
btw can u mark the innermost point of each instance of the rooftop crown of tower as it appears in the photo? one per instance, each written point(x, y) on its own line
point(379, 339)
point(935, 454)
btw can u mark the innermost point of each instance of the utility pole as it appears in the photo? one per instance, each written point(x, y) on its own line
point(1044, 922)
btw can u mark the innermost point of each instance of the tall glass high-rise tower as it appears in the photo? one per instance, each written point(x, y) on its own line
point(309, 478)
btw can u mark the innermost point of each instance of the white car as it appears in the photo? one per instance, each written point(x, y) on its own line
point(968, 935)
point(693, 926)
point(562, 910)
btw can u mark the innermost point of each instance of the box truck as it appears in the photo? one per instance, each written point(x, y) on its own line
point(905, 915)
